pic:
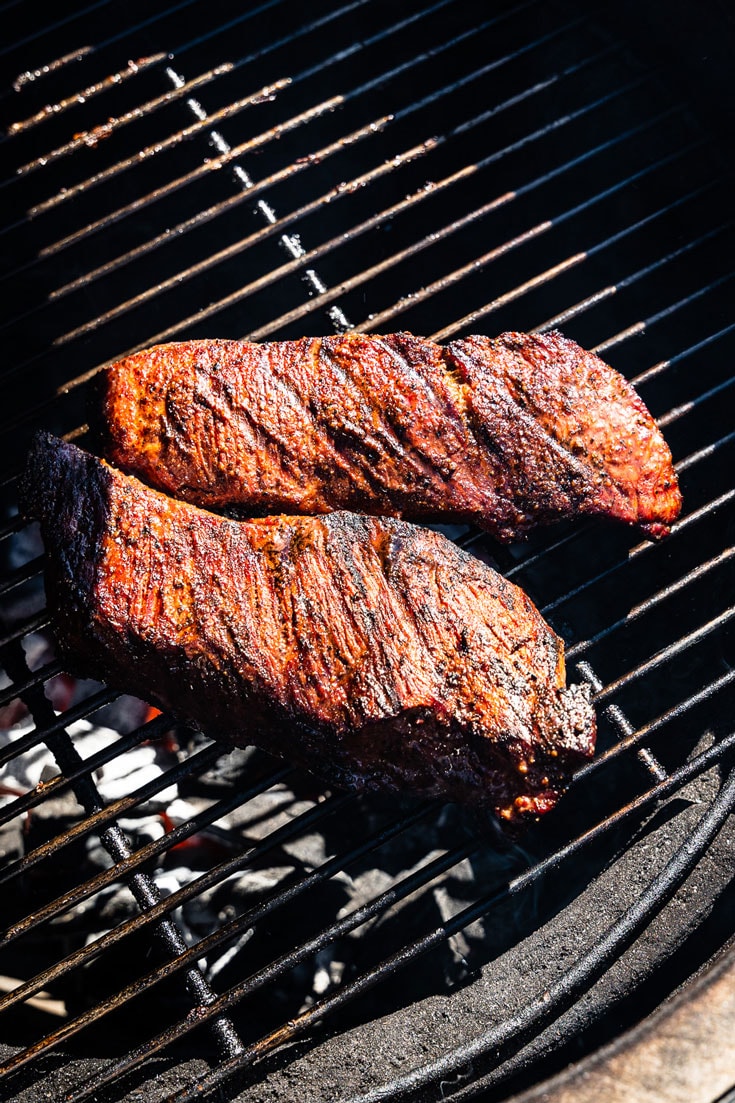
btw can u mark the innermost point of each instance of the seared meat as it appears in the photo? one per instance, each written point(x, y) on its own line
point(506, 433)
point(371, 651)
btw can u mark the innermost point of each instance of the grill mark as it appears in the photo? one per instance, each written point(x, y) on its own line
point(499, 668)
point(318, 432)
point(512, 672)
point(273, 569)
point(247, 607)
point(581, 468)
point(460, 389)
point(591, 463)
point(529, 422)
point(394, 557)
point(382, 676)
point(260, 431)
point(389, 433)
point(356, 462)
point(502, 673)
point(422, 459)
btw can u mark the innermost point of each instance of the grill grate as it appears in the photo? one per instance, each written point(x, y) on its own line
point(275, 174)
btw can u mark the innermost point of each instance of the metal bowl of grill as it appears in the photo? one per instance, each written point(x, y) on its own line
point(185, 923)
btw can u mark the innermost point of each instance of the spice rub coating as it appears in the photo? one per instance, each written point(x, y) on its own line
point(373, 652)
point(507, 433)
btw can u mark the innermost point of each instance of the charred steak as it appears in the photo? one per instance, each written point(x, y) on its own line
point(373, 652)
point(507, 433)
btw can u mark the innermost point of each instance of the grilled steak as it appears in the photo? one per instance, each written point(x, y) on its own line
point(507, 433)
point(371, 651)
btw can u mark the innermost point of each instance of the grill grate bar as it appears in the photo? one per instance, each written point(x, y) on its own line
point(634, 738)
point(311, 255)
point(339, 192)
point(702, 569)
point(663, 365)
point(542, 227)
point(84, 185)
point(79, 711)
point(274, 275)
point(422, 243)
point(154, 242)
point(112, 838)
point(114, 80)
point(96, 821)
point(645, 546)
point(202, 217)
point(134, 29)
point(30, 76)
point(290, 243)
point(146, 895)
point(22, 574)
point(297, 1025)
point(146, 200)
point(253, 99)
point(639, 549)
point(496, 63)
point(687, 407)
point(303, 257)
point(227, 933)
point(213, 876)
point(86, 138)
point(640, 273)
point(292, 36)
point(49, 27)
point(203, 169)
point(13, 525)
point(581, 256)
point(199, 219)
point(43, 674)
point(704, 453)
point(232, 929)
point(624, 728)
point(25, 628)
point(130, 861)
point(61, 782)
point(398, 891)
point(681, 645)
point(129, 30)
point(641, 327)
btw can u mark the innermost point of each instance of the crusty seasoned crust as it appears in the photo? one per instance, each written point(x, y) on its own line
point(373, 652)
point(508, 433)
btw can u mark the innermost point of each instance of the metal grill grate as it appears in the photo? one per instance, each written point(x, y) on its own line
point(442, 169)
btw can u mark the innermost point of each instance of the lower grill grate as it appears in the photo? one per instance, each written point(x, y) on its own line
point(182, 922)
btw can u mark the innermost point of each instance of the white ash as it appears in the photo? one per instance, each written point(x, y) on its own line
point(115, 779)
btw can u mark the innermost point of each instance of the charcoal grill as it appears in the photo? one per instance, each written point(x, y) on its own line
point(182, 923)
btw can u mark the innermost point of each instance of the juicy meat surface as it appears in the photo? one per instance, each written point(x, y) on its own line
point(507, 433)
point(371, 651)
